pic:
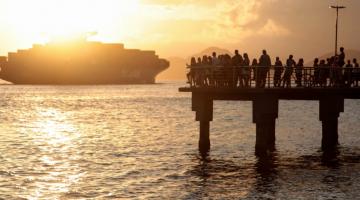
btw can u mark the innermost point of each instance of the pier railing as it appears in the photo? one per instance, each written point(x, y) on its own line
point(272, 77)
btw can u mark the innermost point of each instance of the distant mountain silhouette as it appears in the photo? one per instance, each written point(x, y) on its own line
point(350, 54)
point(210, 50)
point(177, 69)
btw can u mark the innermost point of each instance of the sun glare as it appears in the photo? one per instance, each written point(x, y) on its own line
point(47, 19)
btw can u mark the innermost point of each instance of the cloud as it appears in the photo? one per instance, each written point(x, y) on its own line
point(218, 21)
point(271, 28)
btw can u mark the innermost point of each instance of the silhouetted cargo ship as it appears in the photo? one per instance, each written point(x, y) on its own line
point(81, 62)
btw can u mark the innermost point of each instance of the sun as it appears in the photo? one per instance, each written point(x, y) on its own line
point(45, 19)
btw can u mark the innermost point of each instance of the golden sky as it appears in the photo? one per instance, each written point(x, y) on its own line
point(183, 27)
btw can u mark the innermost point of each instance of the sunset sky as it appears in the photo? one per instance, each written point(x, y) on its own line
point(183, 27)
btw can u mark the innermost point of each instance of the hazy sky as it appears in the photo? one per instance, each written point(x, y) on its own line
point(183, 27)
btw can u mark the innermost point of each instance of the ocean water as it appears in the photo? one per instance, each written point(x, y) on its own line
point(140, 142)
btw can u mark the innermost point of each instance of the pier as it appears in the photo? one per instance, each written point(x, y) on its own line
point(209, 84)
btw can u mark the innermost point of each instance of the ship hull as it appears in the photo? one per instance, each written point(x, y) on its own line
point(83, 63)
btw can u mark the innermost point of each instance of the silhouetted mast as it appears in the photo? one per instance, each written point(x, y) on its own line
point(337, 25)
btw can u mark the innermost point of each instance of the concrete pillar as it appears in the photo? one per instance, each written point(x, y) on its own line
point(330, 109)
point(204, 140)
point(265, 113)
point(203, 106)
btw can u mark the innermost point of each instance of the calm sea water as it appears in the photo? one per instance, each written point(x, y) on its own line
point(140, 142)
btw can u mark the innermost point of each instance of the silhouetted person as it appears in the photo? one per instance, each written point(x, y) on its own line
point(299, 72)
point(341, 60)
point(197, 72)
point(215, 61)
point(193, 62)
point(210, 71)
point(323, 73)
point(337, 70)
point(199, 62)
point(278, 72)
point(348, 74)
point(290, 63)
point(333, 70)
point(265, 64)
point(209, 60)
point(229, 74)
point(316, 77)
point(205, 61)
point(237, 62)
point(356, 72)
point(254, 66)
point(206, 71)
point(246, 71)
point(190, 74)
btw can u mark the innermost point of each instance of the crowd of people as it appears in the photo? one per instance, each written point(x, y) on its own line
point(237, 71)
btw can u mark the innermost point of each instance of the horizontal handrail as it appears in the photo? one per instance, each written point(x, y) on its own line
point(272, 76)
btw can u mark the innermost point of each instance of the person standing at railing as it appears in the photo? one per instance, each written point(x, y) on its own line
point(333, 70)
point(228, 78)
point(316, 78)
point(246, 71)
point(347, 74)
point(290, 63)
point(341, 57)
point(254, 66)
point(356, 73)
point(237, 75)
point(204, 72)
point(323, 73)
point(278, 71)
point(197, 72)
point(190, 75)
point(199, 62)
point(265, 64)
point(299, 68)
point(329, 65)
point(215, 61)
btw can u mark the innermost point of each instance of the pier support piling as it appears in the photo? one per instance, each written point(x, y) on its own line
point(265, 113)
point(204, 140)
point(203, 106)
point(330, 109)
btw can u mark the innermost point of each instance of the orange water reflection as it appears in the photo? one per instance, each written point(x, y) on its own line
point(55, 170)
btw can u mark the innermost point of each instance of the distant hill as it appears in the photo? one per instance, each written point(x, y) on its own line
point(350, 54)
point(210, 50)
point(177, 69)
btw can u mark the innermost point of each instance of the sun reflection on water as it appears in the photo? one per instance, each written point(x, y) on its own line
point(55, 136)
